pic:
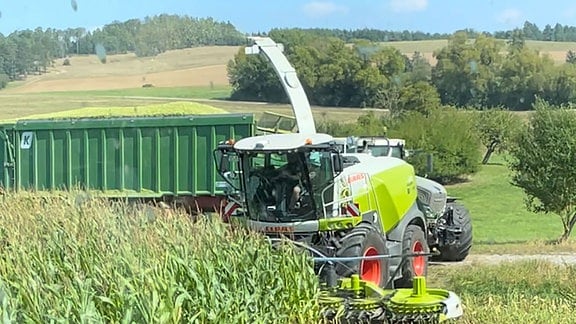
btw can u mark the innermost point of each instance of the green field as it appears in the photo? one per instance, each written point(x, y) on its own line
point(216, 92)
point(498, 209)
point(502, 224)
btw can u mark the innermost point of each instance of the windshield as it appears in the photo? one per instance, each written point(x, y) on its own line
point(394, 151)
point(379, 150)
point(286, 186)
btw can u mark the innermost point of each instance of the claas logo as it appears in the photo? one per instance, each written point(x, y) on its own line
point(279, 229)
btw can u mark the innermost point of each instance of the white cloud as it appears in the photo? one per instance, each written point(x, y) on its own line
point(323, 8)
point(510, 16)
point(408, 5)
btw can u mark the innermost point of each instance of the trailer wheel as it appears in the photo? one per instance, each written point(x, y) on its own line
point(364, 240)
point(414, 241)
point(460, 250)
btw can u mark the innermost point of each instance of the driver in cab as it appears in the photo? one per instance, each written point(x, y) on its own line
point(292, 172)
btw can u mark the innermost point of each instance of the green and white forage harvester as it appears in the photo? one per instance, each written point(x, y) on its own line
point(368, 222)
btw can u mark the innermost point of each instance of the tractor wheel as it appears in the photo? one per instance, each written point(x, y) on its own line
point(364, 240)
point(459, 251)
point(414, 241)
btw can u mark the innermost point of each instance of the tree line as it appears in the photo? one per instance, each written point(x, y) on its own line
point(33, 51)
point(28, 51)
point(483, 72)
point(556, 33)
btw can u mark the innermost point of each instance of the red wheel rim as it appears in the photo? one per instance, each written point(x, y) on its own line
point(371, 269)
point(419, 262)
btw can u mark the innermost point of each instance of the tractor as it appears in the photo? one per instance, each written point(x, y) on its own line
point(449, 223)
point(366, 219)
point(376, 146)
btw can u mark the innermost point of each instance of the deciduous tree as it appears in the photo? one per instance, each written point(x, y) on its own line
point(543, 165)
point(496, 128)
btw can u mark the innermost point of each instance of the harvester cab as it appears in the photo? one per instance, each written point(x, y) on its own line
point(283, 177)
point(382, 146)
point(360, 216)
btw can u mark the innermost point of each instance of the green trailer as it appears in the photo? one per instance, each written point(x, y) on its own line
point(167, 158)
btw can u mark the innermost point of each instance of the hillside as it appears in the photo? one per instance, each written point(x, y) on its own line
point(199, 66)
point(556, 50)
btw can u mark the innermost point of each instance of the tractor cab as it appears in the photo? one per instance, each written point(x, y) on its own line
point(283, 177)
point(382, 146)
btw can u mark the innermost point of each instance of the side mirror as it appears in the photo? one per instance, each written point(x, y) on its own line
point(337, 163)
point(224, 165)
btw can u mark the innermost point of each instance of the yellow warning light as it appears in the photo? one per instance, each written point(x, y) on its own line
point(308, 141)
point(230, 141)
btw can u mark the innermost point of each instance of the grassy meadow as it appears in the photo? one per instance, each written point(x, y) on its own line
point(501, 221)
point(192, 92)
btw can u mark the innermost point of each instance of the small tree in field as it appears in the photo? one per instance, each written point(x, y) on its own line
point(496, 128)
point(544, 163)
point(571, 57)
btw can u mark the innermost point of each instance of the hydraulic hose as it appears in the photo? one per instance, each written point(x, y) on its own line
point(326, 259)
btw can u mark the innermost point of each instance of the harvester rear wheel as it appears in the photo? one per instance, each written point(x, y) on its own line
point(364, 240)
point(461, 249)
point(414, 242)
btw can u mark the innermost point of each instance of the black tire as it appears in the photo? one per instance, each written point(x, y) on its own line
point(414, 241)
point(357, 242)
point(458, 252)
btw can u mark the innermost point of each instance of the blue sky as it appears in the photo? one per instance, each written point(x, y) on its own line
point(260, 15)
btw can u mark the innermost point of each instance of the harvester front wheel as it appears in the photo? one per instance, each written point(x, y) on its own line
point(414, 242)
point(364, 240)
point(460, 250)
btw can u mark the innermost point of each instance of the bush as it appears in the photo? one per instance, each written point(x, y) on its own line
point(449, 135)
point(419, 97)
point(85, 260)
point(4, 80)
point(367, 124)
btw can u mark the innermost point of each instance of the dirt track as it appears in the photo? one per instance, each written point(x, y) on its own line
point(494, 259)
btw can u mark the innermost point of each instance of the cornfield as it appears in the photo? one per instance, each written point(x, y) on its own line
point(514, 292)
point(80, 259)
